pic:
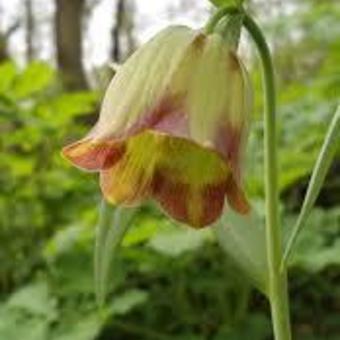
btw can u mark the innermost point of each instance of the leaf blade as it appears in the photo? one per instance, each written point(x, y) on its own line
point(243, 239)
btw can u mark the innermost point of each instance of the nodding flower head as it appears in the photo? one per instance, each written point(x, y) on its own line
point(173, 125)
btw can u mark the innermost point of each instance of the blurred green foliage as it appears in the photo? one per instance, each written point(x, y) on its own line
point(168, 282)
point(224, 3)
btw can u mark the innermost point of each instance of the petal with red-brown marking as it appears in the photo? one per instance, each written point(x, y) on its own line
point(94, 155)
point(190, 182)
point(236, 197)
point(128, 181)
point(171, 196)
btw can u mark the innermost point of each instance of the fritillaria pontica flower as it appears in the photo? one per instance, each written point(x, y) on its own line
point(172, 127)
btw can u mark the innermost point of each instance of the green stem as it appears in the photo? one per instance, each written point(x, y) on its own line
point(113, 224)
point(102, 229)
point(221, 13)
point(278, 294)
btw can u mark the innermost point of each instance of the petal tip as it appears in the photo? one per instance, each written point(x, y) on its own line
point(236, 198)
point(93, 156)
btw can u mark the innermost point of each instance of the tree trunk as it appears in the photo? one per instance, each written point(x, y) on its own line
point(4, 38)
point(68, 35)
point(29, 30)
point(3, 48)
point(122, 33)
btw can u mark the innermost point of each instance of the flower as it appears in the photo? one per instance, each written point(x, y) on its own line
point(172, 127)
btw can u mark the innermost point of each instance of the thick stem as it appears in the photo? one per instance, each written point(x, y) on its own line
point(278, 294)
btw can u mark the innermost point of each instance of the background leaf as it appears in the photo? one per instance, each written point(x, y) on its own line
point(320, 170)
point(318, 245)
point(125, 302)
point(85, 329)
point(176, 240)
point(35, 78)
point(35, 300)
point(243, 239)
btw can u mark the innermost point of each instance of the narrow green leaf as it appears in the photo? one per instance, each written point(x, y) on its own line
point(320, 170)
point(112, 226)
point(243, 239)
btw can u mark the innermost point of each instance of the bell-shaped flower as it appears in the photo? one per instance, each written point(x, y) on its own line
point(172, 127)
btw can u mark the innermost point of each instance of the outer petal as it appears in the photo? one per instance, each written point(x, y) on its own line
point(142, 81)
point(218, 101)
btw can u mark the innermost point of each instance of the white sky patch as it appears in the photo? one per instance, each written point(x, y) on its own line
point(150, 17)
point(97, 44)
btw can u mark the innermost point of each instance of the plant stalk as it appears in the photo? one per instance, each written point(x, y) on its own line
point(278, 294)
point(220, 14)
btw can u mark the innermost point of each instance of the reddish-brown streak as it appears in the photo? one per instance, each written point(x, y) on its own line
point(199, 41)
point(171, 196)
point(167, 116)
point(236, 197)
point(233, 62)
point(228, 143)
point(96, 156)
point(213, 200)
